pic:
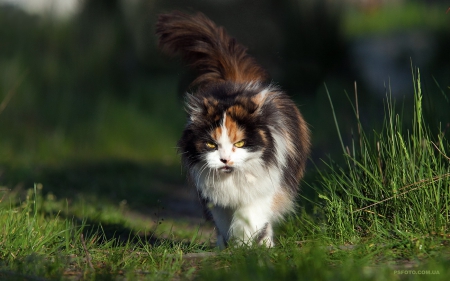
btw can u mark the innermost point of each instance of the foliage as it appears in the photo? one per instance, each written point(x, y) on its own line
point(395, 185)
point(393, 17)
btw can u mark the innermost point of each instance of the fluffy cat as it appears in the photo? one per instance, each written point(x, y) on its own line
point(245, 144)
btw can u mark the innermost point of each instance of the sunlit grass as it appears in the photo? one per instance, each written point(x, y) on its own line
point(395, 185)
point(34, 242)
point(38, 245)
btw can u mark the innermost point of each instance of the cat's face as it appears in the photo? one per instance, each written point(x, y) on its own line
point(226, 133)
point(228, 148)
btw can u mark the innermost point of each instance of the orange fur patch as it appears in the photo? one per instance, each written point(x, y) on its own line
point(234, 132)
point(263, 136)
point(216, 133)
point(237, 111)
point(281, 202)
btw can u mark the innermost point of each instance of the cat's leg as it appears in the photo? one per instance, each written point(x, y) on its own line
point(252, 223)
point(265, 236)
point(222, 219)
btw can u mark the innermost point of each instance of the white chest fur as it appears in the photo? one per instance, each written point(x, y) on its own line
point(241, 201)
point(238, 188)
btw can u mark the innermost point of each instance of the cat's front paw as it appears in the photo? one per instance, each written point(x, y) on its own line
point(221, 243)
point(268, 242)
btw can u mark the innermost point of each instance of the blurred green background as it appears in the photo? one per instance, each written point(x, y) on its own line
point(90, 108)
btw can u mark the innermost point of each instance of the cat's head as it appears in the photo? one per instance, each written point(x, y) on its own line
point(227, 129)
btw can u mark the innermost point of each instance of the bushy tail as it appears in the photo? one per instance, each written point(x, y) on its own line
point(208, 48)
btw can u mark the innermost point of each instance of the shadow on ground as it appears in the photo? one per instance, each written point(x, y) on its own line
point(146, 192)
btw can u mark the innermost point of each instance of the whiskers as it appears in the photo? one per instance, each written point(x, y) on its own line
point(206, 176)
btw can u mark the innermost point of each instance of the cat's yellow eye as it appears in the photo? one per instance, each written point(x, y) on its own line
point(210, 144)
point(239, 144)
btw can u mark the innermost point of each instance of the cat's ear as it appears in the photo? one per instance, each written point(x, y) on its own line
point(199, 108)
point(194, 107)
point(259, 100)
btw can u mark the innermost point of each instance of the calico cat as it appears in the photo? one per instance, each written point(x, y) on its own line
point(245, 144)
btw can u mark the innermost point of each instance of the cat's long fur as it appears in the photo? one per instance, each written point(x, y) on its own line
point(245, 144)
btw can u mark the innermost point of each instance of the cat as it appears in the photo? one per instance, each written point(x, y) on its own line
point(245, 144)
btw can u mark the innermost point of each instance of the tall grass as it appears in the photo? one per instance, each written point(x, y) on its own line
point(394, 184)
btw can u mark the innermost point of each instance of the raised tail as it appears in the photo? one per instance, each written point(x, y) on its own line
point(209, 49)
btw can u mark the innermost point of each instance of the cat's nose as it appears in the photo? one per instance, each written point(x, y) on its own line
point(224, 161)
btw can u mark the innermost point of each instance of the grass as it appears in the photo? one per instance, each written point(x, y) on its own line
point(36, 244)
point(395, 184)
point(382, 215)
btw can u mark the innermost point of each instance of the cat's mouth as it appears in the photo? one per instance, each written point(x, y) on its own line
point(226, 169)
